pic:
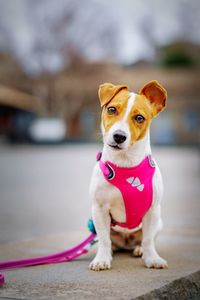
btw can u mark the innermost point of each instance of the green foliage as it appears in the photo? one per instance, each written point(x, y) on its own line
point(177, 59)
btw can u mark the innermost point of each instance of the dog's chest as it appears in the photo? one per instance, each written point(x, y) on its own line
point(107, 195)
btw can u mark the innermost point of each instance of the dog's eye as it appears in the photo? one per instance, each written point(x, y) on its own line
point(111, 110)
point(139, 119)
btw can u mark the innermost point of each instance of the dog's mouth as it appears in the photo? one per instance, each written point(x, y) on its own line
point(115, 146)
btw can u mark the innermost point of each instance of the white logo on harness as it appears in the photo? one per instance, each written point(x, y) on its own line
point(135, 182)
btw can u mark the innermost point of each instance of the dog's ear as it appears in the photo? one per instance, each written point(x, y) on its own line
point(156, 94)
point(107, 91)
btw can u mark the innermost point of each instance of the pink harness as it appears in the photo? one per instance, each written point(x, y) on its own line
point(135, 185)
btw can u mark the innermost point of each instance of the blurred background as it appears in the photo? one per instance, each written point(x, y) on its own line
point(53, 56)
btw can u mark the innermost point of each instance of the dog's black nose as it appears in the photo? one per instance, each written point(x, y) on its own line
point(119, 136)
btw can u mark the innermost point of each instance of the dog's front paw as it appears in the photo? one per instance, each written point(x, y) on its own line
point(156, 262)
point(100, 263)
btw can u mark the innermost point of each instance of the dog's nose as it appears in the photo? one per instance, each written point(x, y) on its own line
point(119, 136)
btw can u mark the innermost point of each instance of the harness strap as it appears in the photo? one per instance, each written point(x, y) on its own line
point(106, 169)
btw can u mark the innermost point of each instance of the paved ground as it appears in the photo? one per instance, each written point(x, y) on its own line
point(44, 201)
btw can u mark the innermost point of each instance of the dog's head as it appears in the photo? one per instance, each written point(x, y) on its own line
point(126, 116)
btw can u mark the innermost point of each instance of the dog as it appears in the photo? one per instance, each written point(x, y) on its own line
point(126, 185)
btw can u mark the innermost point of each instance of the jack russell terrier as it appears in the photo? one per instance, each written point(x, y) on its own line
point(126, 186)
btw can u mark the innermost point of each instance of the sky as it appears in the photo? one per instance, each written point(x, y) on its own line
point(44, 35)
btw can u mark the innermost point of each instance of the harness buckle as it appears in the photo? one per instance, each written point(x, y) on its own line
point(111, 174)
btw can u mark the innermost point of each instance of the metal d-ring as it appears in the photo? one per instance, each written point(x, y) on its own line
point(151, 161)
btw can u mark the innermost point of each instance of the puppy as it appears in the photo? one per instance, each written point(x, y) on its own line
point(126, 186)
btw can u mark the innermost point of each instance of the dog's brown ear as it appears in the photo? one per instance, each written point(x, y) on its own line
point(107, 91)
point(156, 94)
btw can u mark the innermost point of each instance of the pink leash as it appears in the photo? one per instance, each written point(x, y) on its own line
point(59, 257)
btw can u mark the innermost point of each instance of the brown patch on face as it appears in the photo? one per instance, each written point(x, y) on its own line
point(119, 102)
point(143, 108)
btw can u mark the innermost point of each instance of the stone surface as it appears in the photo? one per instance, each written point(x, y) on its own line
point(183, 288)
point(73, 280)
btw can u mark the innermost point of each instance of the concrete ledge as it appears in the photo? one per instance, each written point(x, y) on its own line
point(184, 288)
point(128, 278)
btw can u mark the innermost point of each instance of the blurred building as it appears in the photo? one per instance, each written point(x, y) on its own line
point(54, 55)
point(72, 96)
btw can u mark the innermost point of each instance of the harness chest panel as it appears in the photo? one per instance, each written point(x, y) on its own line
point(135, 186)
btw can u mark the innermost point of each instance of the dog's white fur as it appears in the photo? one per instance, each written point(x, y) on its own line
point(107, 200)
